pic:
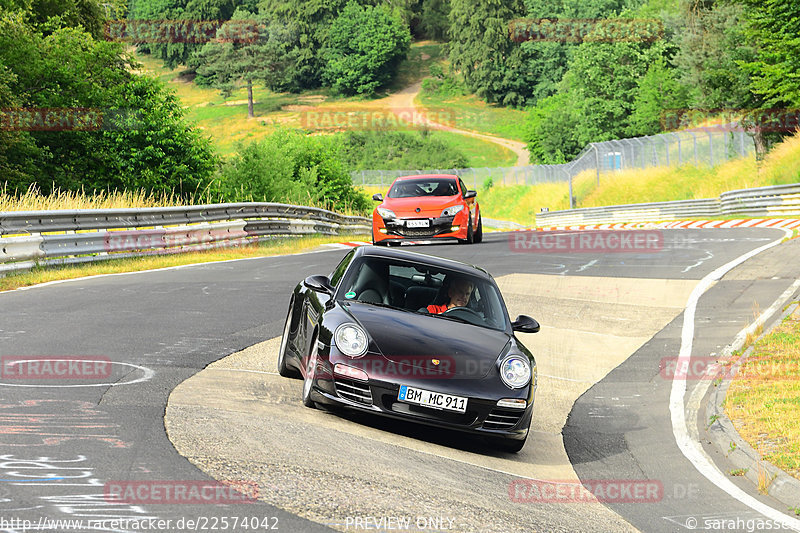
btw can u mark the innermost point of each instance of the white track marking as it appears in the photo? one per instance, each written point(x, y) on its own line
point(689, 446)
point(243, 370)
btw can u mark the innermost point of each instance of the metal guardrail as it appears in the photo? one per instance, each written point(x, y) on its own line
point(30, 238)
point(778, 200)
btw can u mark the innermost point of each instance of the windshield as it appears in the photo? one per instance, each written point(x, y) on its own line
point(423, 187)
point(441, 293)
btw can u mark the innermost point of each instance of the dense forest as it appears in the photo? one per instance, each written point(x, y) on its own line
point(584, 71)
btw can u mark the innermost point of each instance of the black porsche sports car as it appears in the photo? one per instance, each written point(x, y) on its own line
point(414, 337)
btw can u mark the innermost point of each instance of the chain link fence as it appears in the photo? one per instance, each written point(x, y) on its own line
point(698, 147)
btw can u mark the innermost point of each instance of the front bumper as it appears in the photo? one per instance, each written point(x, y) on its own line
point(438, 227)
point(482, 416)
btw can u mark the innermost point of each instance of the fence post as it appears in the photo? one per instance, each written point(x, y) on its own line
point(710, 148)
point(741, 137)
point(571, 198)
point(597, 162)
point(680, 156)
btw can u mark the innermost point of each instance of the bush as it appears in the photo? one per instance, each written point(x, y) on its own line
point(364, 47)
point(291, 167)
point(397, 150)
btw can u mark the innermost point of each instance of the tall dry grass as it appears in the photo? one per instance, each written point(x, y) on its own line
point(33, 199)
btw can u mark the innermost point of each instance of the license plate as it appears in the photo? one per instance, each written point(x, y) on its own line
point(435, 400)
point(418, 223)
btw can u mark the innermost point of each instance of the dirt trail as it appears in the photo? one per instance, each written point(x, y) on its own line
point(403, 101)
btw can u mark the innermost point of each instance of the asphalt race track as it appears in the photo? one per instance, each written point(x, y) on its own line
point(608, 321)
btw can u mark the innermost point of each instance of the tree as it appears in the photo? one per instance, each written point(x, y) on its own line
point(310, 21)
point(363, 48)
point(711, 46)
point(433, 19)
point(137, 137)
point(50, 15)
point(774, 28)
point(481, 51)
point(550, 130)
point(182, 26)
point(603, 79)
point(659, 92)
point(234, 58)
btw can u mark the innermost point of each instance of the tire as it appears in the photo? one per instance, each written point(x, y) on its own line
point(479, 231)
point(470, 237)
point(308, 382)
point(283, 369)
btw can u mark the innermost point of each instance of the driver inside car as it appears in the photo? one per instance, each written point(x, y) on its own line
point(458, 295)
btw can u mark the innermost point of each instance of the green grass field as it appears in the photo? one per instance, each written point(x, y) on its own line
point(471, 113)
point(225, 119)
point(763, 401)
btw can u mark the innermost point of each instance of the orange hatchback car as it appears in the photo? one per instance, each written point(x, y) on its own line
point(435, 206)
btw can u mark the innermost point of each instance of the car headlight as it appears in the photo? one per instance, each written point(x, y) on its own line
point(386, 213)
point(515, 371)
point(351, 340)
point(451, 211)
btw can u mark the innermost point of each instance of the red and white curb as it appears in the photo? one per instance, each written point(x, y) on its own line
point(777, 223)
point(348, 244)
point(781, 223)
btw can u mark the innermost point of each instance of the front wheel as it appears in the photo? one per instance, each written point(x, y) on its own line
point(283, 369)
point(311, 369)
point(470, 237)
point(479, 231)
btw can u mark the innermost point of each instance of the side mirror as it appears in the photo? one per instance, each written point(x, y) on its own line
point(525, 324)
point(319, 284)
point(470, 194)
point(378, 197)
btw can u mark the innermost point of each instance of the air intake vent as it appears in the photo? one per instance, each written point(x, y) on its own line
point(356, 391)
point(502, 419)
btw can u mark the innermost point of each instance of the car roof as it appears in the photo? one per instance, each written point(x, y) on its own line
point(437, 262)
point(427, 176)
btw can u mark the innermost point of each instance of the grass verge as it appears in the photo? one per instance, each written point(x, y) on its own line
point(763, 401)
point(278, 246)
